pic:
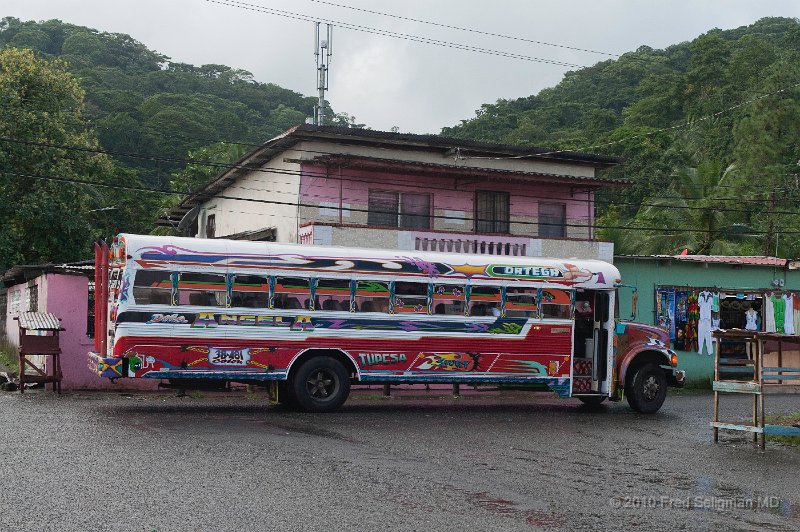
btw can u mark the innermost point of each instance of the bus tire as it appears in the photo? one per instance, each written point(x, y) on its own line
point(647, 389)
point(592, 400)
point(321, 384)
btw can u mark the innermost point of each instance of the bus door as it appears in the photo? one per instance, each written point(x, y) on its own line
point(601, 333)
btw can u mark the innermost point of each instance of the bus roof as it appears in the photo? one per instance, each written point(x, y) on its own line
point(159, 252)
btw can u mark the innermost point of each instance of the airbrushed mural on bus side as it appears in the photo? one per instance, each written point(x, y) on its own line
point(181, 308)
point(566, 274)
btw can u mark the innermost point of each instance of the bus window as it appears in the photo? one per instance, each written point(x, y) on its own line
point(410, 298)
point(449, 299)
point(202, 289)
point(557, 304)
point(333, 294)
point(152, 287)
point(484, 301)
point(291, 293)
point(250, 291)
point(521, 302)
point(372, 296)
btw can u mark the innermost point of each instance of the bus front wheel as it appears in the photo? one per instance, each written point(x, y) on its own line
point(647, 389)
point(321, 384)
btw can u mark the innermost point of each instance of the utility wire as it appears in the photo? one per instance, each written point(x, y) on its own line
point(459, 28)
point(442, 192)
point(388, 33)
point(661, 130)
point(61, 179)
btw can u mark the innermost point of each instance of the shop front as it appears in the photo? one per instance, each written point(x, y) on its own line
point(691, 296)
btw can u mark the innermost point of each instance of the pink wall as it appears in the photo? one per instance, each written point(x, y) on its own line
point(66, 296)
point(447, 192)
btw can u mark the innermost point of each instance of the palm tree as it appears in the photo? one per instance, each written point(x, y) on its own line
point(688, 216)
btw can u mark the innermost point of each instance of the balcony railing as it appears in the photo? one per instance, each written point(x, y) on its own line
point(452, 242)
point(484, 245)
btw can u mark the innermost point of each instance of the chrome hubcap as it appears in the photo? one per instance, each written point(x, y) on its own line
point(650, 388)
point(321, 384)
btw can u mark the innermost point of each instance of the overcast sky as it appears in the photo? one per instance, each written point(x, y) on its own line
point(386, 82)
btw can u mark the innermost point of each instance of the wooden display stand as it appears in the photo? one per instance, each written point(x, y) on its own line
point(774, 377)
point(38, 336)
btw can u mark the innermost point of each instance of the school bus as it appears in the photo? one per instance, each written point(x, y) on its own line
point(310, 321)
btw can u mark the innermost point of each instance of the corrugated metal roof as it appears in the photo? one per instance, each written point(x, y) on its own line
point(24, 272)
point(39, 321)
point(286, 140)
point(744, 260)
point(423, 168)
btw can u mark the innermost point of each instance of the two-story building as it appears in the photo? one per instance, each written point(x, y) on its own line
point(355, 187)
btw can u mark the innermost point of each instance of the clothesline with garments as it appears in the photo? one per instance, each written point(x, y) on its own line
point(691, 314)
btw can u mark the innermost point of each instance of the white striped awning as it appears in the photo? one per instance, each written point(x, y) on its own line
point(39, 321)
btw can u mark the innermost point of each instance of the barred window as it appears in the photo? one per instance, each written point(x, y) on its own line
point(553, 220)
point(399, 209)
point(33, 298)
point(491, 212)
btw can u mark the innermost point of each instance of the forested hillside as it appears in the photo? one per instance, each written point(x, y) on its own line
point(732, 177)
point(140, 101)
point(65, 84)
point(728, 182)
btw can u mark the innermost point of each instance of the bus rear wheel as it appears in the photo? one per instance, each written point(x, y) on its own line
point(647, 389)
point(321, 384)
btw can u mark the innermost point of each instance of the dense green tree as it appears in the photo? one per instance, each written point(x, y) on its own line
point(43, 220)
point(661, 110)
point(691, 203)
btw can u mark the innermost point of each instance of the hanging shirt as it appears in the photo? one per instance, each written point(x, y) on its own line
point(705, 301)
point(769, 314)
point(752, 320)
point(788, 317)
point(779, 306)
point(715, 303)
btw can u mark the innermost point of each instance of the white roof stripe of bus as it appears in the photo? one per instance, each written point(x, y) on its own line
point(610, 274)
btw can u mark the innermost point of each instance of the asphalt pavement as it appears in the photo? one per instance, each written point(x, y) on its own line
point(491, 460)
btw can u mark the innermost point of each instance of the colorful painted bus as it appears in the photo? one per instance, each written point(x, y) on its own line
point(310, 321)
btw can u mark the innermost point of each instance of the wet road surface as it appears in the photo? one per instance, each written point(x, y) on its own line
point(417, 461)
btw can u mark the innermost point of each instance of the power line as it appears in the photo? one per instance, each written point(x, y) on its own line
point(354, 178)
point(661, 130)
point(459, 28)
point(61, 179)
point(388, 33)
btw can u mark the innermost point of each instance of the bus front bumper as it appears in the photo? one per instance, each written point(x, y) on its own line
point(108, 367)
point(676, 378)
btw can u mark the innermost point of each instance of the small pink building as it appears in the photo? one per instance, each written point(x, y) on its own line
point(65, 290)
